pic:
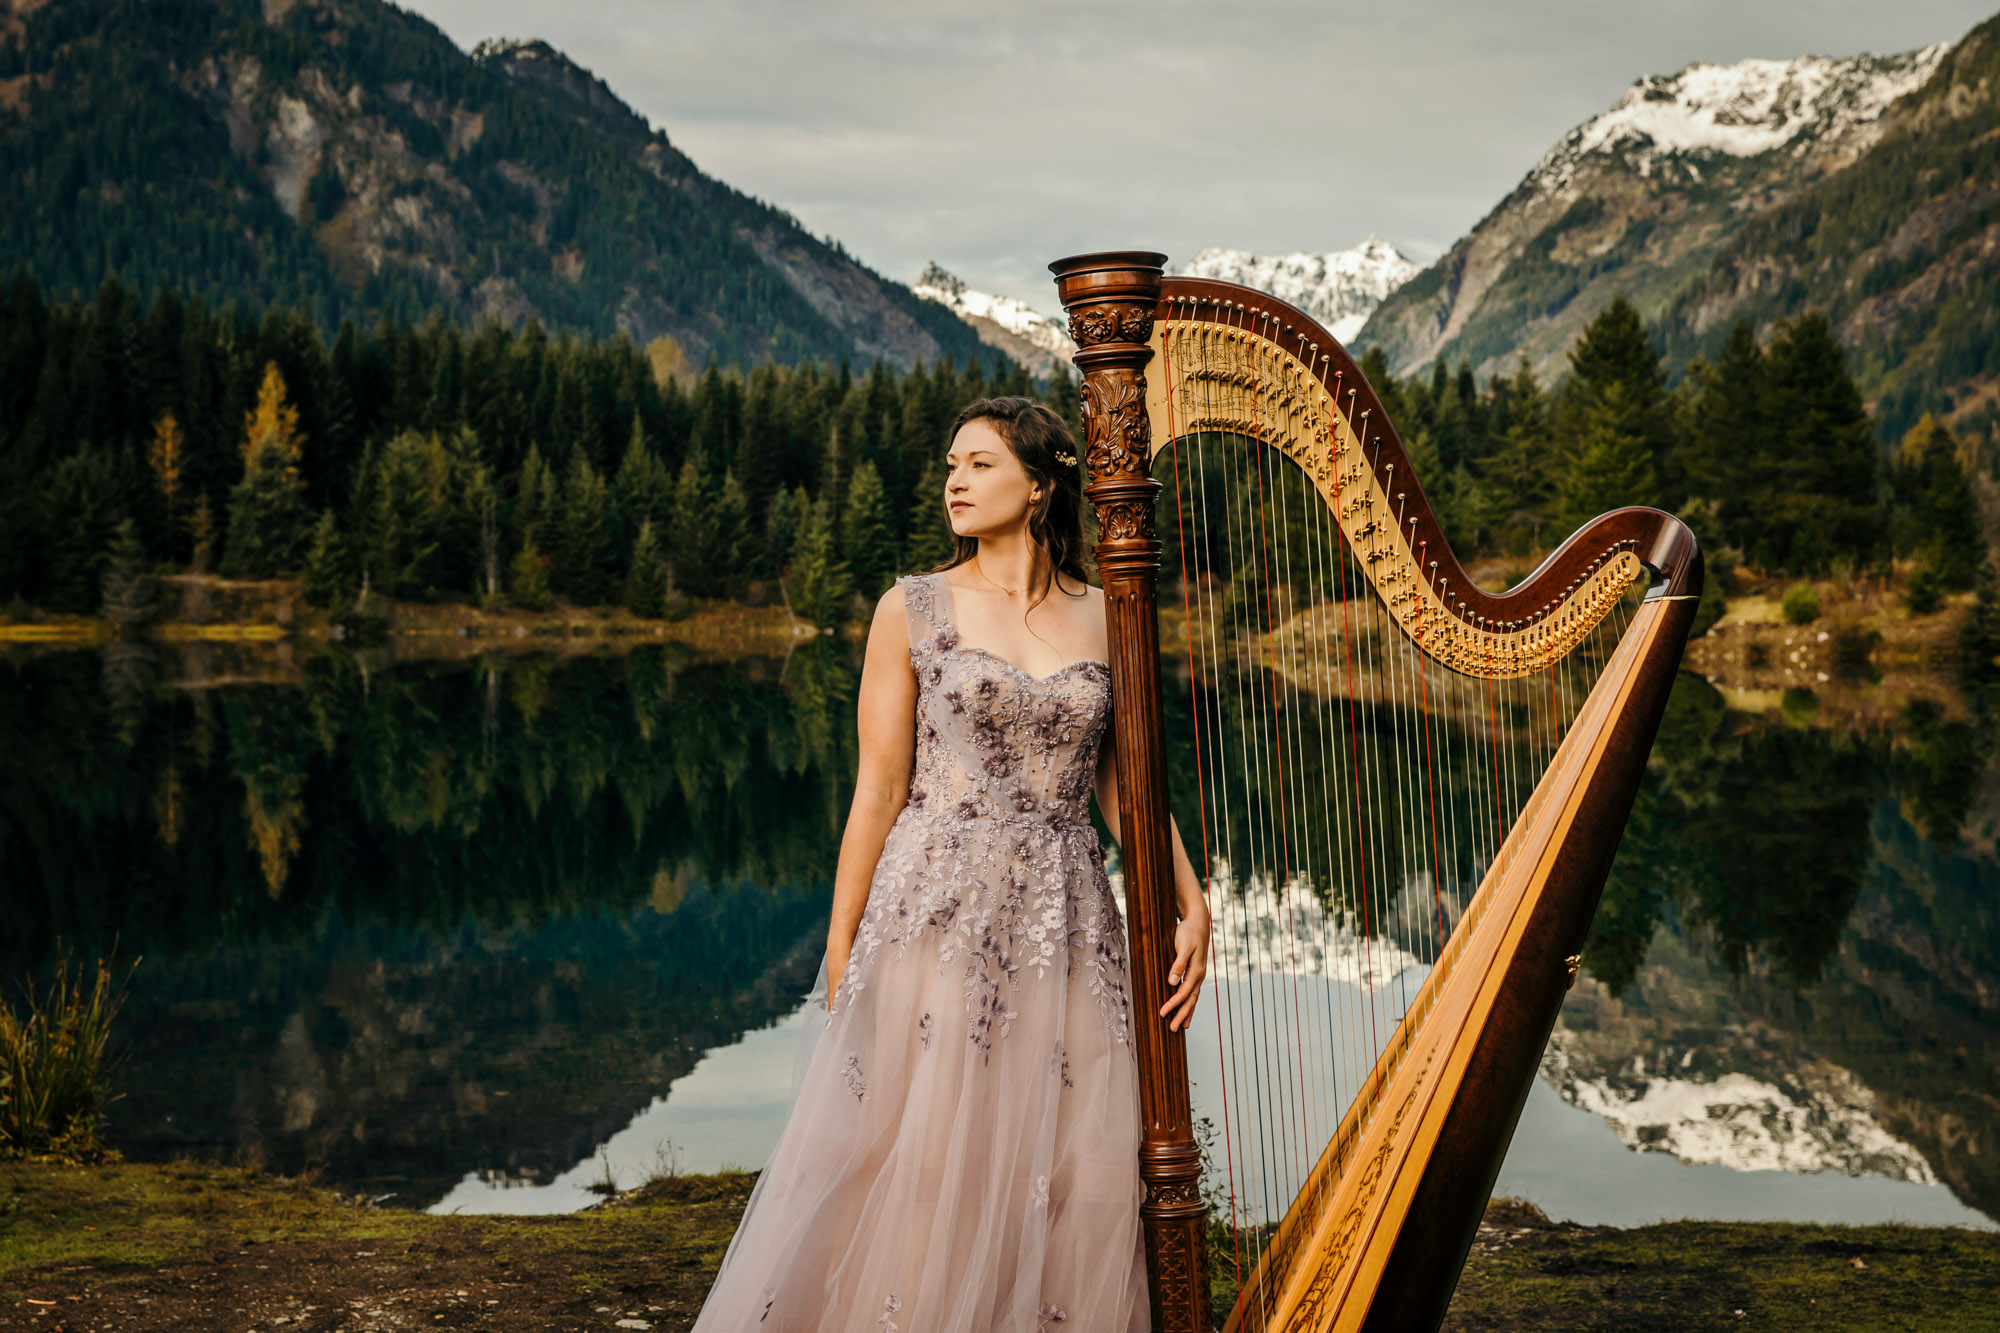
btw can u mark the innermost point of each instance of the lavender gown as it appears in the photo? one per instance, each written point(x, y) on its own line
point(962, 1153)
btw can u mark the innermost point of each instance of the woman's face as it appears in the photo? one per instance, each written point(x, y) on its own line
point(986, 491)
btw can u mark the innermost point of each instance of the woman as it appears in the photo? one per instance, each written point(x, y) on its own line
point(962, 1155)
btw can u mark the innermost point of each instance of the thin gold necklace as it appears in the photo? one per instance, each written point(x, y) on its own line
point(981, 571)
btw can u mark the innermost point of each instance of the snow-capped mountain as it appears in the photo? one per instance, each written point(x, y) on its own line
point(1340, 288)
point(1804, 1117)
point(1638, 202)
point(1005, 322)
point(1806, 105)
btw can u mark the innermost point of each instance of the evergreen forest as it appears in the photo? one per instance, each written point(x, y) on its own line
point(1767, 451)
point(424, 461)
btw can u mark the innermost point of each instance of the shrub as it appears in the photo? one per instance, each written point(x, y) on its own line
point(1926, 591)
point(52, 1094)
point(1801, 604)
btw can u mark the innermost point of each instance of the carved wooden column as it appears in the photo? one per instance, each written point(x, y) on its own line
point(1110, 299)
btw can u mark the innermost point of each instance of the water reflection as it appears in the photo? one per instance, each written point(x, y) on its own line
point(1795, 966)
point(412, 924)
point(474, 934)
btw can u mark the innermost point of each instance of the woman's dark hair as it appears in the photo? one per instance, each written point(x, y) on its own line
point(1036, 435)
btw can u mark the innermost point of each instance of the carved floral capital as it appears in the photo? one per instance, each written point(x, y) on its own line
point(1111, 323)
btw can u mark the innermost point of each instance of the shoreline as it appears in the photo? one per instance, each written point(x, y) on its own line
point(209, 613)
point(191, 1246)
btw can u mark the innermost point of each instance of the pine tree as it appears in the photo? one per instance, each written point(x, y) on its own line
point(273, 422)
point(82, 501)
point(1818, 495)
point(267, 509)
point(201, 532)
point(583, 559)
point(781, 528)
point(482, 509)
point(693, 536)
point(833, 471)
point(1615, 356)
point(642, 492)
point(166, 456)
point(930, 542)
point(1726, 455)
point(1979, 636)
point(328, 581)
point(1515, 481)
point(536, 499)
point(528, 579)
point(1937, 514)
point(646, 580)
point(865, 538)
point(735, 547)
point(401, 534)
point(1613, 465)
point(267, 517)
point(129, 590)
point(819, 586)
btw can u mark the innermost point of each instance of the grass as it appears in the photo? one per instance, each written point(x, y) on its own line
point(52, 1063)
point(193, 1246)
point(1526, 1272)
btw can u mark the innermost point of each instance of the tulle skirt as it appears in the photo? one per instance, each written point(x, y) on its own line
point(960, 1157)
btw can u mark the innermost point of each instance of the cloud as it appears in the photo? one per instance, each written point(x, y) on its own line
point(996, 136)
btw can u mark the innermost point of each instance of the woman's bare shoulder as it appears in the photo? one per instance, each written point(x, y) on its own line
point(1094, 600)
point(889, 612)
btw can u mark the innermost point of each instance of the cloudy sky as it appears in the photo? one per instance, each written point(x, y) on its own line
point(995, 135)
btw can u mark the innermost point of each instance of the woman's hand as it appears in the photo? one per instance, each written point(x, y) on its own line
point(1190, 965)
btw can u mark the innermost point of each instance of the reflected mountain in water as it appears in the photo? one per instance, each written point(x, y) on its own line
point(417, 922)
point(1675, 1068)
point(1797, 964)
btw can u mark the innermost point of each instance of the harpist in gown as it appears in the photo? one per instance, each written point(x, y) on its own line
point(962, 1154)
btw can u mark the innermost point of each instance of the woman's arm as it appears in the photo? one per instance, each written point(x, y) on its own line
point(1191, 936)
point(886, 716)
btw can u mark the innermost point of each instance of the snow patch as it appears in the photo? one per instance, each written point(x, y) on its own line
point(1742, 110)
point(1264, 928)
point(1820, 1122)
point(1010, 313)
point(1339, 288)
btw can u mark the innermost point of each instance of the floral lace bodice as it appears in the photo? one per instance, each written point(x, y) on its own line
point(995, 851)
point(994, 742)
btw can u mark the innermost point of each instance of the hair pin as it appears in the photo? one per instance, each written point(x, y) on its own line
point(1067, 460)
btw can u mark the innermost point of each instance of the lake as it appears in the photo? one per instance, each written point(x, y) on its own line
point(482, 935)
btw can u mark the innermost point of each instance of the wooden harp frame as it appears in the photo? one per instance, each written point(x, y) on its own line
point(1392, 1235)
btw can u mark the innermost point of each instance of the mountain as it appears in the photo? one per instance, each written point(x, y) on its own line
point(345, 155)
point(1640, 201)
point(1886, 1063)
point(1901, 250)
point(1678, 1069)
point(1003, 322)
point(1340, 288)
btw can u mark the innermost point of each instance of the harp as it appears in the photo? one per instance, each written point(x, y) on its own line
point(1407, 791)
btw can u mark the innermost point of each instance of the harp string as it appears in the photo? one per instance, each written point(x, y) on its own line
point(1280, 821)
point(1218, 997)
point(1330, 906)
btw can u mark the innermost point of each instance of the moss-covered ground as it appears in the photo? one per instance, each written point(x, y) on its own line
point(158, 1249)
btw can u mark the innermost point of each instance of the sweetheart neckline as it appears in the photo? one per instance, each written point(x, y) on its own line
point(1023, 671)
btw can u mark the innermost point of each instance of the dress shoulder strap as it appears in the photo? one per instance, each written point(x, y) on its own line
point(928, 614)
